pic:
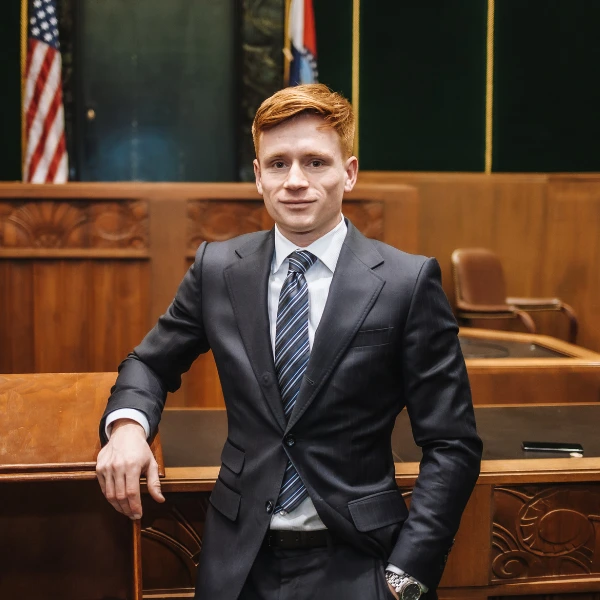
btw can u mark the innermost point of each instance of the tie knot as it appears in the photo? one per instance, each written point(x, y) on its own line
point(301, 261)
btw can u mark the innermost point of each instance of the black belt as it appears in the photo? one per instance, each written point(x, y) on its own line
point(292, 540)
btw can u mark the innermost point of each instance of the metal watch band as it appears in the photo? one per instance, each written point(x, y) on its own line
point(401, 583)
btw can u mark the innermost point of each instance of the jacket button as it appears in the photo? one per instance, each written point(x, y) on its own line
point(289, 440)
point(269, 507)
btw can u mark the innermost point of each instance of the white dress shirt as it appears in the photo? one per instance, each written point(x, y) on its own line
point(318, 279)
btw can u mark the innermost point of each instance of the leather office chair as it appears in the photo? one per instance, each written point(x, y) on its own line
point(481, 292)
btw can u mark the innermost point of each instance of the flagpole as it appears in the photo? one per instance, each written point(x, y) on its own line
point(355, 67)
point(287, 44)
point(24, 30)
point(489, 88)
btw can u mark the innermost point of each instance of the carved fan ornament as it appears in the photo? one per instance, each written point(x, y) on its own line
point(45, 225)
point(119, 224)
point(546, 532)
point(58, 224)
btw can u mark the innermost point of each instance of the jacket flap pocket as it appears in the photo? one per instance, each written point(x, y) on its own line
point(378, 510)
point(232, 457)
point(225, 500)
point(372, 337)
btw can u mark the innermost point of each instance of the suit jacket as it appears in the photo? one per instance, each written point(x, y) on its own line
point(387, 340)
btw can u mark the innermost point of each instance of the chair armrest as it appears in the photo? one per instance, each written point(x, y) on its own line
point(535, 303)
point(485, 308)
point(491, 311)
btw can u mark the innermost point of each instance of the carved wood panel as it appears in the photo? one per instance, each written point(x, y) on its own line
point(85, 269)
point(172, 541)
point(73, 224)
point(218, 220)
point(546, 532)
point(366, 216)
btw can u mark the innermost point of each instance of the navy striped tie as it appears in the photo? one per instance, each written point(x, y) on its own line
point(292, 352)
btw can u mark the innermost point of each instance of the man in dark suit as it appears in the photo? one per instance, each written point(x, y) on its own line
point(321, 337)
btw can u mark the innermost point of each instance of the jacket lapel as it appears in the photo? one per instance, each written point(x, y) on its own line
point(247, 283)
point(354, 289)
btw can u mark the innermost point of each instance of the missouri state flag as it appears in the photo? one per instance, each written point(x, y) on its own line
point(303, 37)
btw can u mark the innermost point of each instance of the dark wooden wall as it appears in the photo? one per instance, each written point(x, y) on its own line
point(85, 269)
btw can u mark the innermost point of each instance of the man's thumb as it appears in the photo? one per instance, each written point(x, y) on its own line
point(153, 482)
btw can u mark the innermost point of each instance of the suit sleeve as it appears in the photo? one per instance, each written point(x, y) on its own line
point(168, 350)
point(438, 400)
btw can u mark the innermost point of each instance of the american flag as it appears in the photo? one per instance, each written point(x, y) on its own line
point(46, 154)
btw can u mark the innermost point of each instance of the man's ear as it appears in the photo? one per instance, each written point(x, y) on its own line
point(351, 168)
point(257, 176)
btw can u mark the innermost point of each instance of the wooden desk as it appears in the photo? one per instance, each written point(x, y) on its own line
point(524, 368)
point(59, 537)
point(532, 525)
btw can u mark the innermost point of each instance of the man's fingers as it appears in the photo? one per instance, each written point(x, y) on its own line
point(109, 492)
point(121, 492)
point(100, 477)
point(132, 487)
point(153, 481)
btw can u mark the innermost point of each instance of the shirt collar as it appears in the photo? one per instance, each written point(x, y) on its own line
point(327, 248)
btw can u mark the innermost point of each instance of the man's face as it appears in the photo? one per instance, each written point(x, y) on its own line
point(302, 176)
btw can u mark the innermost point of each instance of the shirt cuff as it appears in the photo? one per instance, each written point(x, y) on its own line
point(127, 413)
point(400, 572)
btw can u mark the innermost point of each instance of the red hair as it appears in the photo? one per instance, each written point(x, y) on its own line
point(314, 99)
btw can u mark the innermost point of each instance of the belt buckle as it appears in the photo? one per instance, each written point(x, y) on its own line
point(269, 540)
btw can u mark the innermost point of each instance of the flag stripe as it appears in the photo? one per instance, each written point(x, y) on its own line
point(52, 141)
point(310, 34)
point(59, 154)
point(35, 60)
point(46, 75)
point(46, 126)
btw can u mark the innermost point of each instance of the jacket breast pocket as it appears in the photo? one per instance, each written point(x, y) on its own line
point(378, 510)
point(372, 337)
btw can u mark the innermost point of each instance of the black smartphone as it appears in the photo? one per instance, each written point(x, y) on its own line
point(567, 447)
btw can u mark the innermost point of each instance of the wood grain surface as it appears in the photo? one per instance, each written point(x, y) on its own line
point(86, 269)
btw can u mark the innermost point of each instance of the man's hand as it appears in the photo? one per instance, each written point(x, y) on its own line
point(394, 593)
point(121, 463)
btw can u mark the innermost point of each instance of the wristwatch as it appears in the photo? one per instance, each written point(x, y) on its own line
point(406, 587)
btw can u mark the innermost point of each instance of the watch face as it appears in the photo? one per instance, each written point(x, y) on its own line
point(411, 592)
